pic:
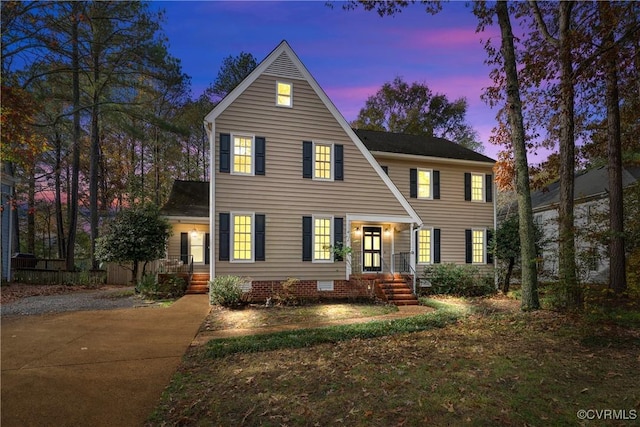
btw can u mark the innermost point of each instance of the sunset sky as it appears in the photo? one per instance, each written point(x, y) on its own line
point(350, 53)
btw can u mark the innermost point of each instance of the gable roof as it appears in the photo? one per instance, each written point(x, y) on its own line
point(188, 198)
point(418, 145)
point(589, 184)
point(283, 61)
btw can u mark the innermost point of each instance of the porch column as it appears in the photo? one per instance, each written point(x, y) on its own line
point(414, 251)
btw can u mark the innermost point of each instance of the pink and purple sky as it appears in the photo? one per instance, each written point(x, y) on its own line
point(350, 53)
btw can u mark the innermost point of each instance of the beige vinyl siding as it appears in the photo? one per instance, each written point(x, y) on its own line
point(452, 214)
point(282, 194)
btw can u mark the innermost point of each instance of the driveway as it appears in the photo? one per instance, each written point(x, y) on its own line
point(97, 368)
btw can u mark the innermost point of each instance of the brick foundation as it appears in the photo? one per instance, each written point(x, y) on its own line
point(308, 290)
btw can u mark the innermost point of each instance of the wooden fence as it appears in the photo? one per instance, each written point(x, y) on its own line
point(59, 277)
point(121, 274)
point(51, 271)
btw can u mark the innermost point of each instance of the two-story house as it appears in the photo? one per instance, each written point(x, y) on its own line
point(591, 219)
point(292, 183)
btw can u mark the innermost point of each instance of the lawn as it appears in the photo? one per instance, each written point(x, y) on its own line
point(494, 365)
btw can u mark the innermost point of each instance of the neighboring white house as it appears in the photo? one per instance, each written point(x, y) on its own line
point(591, 202)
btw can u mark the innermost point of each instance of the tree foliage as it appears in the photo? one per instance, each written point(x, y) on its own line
point(233, 70)
point(505, 245)
point(134, 235)
point(414, 109)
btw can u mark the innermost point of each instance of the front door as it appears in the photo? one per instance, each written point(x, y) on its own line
point(372, 249)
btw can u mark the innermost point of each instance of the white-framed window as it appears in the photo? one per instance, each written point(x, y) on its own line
point(477, 246)
point(284, 94)
point(477, 187)
point(424, 246)
point(425, 184)
point(322, 161)
point(243, 155)
point(322, 238)
point(242, 226)
point(196, 243)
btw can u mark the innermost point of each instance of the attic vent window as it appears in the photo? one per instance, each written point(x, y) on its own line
point(284, 94)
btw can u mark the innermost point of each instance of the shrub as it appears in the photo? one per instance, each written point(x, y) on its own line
point(287, 293)
point(460, 280)
point(170, 286)
point(226, 291)
point(147, 285)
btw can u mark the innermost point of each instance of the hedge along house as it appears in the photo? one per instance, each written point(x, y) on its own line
point(292, 183)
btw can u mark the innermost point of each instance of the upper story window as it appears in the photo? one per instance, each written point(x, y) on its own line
point(322, 161)
point(284, 94)
point(424, 184)
point(242, 158)
point(477, 187)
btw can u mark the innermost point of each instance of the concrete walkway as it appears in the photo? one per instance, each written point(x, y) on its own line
point(93, 368)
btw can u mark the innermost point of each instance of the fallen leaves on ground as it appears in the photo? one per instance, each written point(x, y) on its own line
point(15, 291)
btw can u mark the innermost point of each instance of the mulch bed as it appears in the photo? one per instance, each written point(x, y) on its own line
point(15, 291)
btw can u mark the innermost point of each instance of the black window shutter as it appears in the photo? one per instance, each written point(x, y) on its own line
point(338, 236)
point(207, 244)
point(338, 164)
point(417, 251)
point(467, 186)
point(184, 248)
point(488, 246)
point(467, 246)
point(413, 183)
point(260, 231)
point(225, 152)
point(307, 238)
point(223, 253)
point(488, 184)
point(385, 169)
point(307, 159)
point(436, 246)
point(260, 155)
point(436, 184)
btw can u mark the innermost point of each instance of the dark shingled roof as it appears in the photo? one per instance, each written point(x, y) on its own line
point(590, 183)
point(418, 145)
point(188, 198)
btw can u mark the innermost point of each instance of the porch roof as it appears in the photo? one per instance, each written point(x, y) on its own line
point(188, 198)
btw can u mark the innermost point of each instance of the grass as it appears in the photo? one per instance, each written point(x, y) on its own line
point(478, 362)
point(308, 337)
point(260, 316)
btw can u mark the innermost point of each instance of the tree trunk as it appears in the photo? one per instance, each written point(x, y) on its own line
point(31, 211)
point(75, 164)
point(529, 279)
point(566, 235)
point(617, 276)
point(94, 155)
point(134, 275)
point(507, 277)
point(62, 250)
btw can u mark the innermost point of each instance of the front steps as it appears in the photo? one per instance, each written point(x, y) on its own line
point(199, 284)
point(395, 290)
